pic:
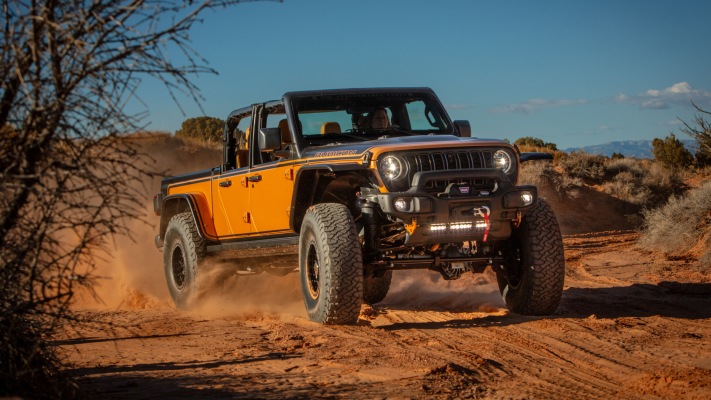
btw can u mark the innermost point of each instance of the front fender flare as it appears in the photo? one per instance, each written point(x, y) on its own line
point(307, 183)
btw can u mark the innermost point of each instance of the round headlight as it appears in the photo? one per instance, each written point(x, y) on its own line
point(502, 160)
point(391, 167)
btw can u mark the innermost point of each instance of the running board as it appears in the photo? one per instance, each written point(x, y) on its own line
point(257, 248)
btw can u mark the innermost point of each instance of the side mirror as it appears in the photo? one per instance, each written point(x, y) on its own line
point(532, 156)
point(462, 128)
point(269, 139)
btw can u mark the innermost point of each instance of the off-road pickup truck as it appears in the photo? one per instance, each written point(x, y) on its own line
point(346, 186)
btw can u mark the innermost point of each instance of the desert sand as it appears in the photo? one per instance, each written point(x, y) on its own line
point(632, 324)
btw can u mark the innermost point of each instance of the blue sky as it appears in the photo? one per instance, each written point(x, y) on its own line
point(574, 73)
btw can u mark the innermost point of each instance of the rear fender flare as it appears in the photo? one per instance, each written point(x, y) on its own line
point(197, 205)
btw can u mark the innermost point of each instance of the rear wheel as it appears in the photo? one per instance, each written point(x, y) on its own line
point(182, 255)
point(532, 282)
point(375, 288)
point(330, 265)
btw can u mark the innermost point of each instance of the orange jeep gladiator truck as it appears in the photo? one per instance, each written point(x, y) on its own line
point(344, 187)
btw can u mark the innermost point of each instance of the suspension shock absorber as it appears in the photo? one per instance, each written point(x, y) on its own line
point(371, 230)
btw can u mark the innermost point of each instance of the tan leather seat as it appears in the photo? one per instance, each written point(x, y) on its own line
point(330, 127)
point(285, 132)
point(242, 153)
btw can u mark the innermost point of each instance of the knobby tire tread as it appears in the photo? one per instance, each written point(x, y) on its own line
point(344, 281)
point(194, 249)
point(548, 267)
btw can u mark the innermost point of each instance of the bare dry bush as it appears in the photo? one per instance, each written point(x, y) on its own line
point(68, 180)
point(537, 173)
point(701, 131)
point(550, 182)
point(641, 182)
point(588, 167)
point(682, 224)
point(192, 145)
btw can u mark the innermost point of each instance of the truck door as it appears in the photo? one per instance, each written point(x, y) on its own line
point(271, 179)
point(233, 199)
point(230, 189)
point(270, 201)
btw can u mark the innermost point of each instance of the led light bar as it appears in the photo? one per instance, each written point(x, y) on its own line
point(438, 227)
point(458, 226)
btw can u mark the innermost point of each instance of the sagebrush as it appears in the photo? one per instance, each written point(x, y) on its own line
point(682, 224)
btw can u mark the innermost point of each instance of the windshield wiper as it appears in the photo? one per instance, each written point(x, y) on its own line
point(336, 135)
point(388, 130)
point(398, 130)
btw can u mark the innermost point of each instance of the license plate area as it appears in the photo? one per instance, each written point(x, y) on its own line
point(468, 211)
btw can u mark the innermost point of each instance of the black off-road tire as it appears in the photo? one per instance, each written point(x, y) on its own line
point(330, 265)
point(183, 253)
point(376, 288)
point(535, 253)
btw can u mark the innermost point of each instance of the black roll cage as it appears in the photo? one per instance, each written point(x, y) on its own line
point(259, 112)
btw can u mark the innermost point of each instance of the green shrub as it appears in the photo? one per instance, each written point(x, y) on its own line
point(205, 129)
point(671, 152)
point(529, 141)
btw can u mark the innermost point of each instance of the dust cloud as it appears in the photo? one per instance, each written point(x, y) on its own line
point(422, 289)
point(131, 275)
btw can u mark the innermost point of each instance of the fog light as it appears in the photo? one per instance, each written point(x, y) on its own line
point(402, 204)
point(527, 198)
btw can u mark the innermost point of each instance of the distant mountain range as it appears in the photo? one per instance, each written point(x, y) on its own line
point(628, 148)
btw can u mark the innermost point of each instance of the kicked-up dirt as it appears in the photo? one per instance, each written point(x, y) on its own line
point(631, 324)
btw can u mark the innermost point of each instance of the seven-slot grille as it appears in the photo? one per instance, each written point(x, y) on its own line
point(451, 160)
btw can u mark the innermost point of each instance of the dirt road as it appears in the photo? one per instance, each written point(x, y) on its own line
point(631, 325)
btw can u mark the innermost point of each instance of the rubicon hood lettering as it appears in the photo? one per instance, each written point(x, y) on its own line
point(336, 153)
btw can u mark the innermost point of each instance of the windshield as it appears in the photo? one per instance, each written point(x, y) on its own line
point(360, 117)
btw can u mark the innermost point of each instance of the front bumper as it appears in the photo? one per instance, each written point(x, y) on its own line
point(461, 213)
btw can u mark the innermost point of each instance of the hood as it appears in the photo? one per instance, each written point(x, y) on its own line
point(397, 143)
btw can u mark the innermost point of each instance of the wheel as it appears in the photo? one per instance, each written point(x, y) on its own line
point(330, 265)
point(376, 288)
point(532, 283)
point(183, 252)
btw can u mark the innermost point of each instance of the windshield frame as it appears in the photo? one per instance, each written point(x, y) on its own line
point(359, 100)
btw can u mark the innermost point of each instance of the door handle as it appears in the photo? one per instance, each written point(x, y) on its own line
point(226, 183)
point(255, 178)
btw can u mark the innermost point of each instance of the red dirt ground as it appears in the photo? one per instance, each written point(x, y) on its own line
point(631, 324)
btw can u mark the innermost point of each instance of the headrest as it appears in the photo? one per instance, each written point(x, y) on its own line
point(285, 133)
point(330, 127)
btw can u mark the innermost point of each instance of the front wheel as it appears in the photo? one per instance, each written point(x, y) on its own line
point(330, 265)
point(534, 267)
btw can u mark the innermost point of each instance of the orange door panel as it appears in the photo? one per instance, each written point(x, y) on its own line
point(232, 202)
point(270, 199)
